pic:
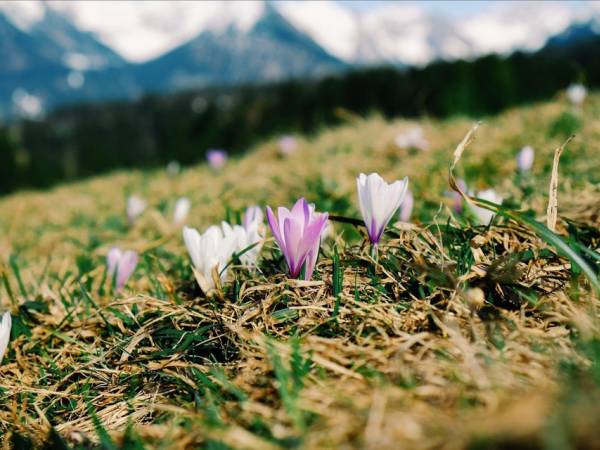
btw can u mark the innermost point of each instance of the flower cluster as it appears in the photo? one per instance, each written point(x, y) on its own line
point(211, 251)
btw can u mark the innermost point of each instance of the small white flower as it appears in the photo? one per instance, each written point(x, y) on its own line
point(5, 327)
point(173, 168)
point(181, 211)
point(245, 237)
point(135, 207)
point(213, 250)
point(576, 93)
point(378, 202)
point(485, 216)
point(209, 251)
point(525, 158)
point(412, 138)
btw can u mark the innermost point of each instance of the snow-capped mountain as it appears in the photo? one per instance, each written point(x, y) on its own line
point(66, 50)
point(265, 49)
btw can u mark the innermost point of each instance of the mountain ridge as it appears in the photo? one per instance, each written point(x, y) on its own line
point(50, 60)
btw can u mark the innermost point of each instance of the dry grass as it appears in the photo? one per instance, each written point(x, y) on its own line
point(457, 337)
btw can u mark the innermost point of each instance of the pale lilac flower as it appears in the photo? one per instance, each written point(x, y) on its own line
point(208, 251)
point(181, 211)
point(5, 327)
point(378, 202)
point(173, 168)
point(525, 158)
point(298, 234)
point(216, 158)
point(485, 216)
point(253, 216)
point(122, 264)
point(254, 226)
point(287, 145)
point(135, 207)
point(576, 93)
point(412, 138)
point(407, 206)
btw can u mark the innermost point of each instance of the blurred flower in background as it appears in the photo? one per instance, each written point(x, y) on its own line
point(121, 265)
point(181, 211)
point(135, 207)
point(576, 93)
point(485, 216)
point(216, 158)
point(525, 159)
point(287, 145)
point(412, 138)
point(173, 168)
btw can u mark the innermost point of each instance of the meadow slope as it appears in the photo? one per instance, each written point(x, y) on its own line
point(393, 353)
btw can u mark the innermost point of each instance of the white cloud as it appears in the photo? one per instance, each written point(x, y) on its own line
point(142, 30)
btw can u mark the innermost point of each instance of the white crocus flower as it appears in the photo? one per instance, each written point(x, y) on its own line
point(5, 327)
point(209, 251)
point(173, 168)
point(135, 207)
point(525, 158)
point(252, 216)
point(245, 238)
point(181, 211)
point(576, 93)
point(378, 202)
point(485, 216)
point(412, 138)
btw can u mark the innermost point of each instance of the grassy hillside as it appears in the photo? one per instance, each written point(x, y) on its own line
point(393, 353)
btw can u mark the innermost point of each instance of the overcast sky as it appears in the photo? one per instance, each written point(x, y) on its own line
point(445, 7)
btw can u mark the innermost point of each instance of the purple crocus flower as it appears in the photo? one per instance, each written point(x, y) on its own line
point(525, 158)
point(123, 263)
point(298, 234)
point(287, 145)
point(378, 202)
point(216, 158)
point(407, 206)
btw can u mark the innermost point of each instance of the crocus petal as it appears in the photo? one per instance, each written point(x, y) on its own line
point(181, 211)
point(275, 229)
point(484, 215)
point(292, 233)
point(252, 216)
point(126, 267)
point(5, 327)
point(191, 238)
point(112, 260)
point(407, 206)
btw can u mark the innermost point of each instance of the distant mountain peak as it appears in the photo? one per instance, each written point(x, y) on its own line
point(23, 14)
